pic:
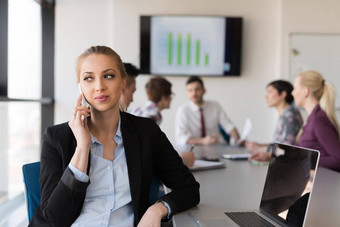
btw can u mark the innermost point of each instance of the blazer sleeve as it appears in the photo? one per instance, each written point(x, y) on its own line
point(62, 195)
point(328, 138)
point(176, 176)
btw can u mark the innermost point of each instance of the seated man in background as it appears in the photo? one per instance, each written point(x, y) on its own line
point(127, 94)
point(197, 121)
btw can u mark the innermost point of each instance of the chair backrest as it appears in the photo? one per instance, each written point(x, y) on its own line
point(155, 193)
point(31, 173)
point(225, 135)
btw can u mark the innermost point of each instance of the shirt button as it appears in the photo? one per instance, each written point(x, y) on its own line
point(108, 168)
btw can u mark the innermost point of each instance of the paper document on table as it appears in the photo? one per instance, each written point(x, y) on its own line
point(203, 164)
point(246, 130)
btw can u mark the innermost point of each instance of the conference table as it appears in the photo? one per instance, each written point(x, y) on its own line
point(239, 186)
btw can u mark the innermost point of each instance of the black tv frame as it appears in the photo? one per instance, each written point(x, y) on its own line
point(233, 41)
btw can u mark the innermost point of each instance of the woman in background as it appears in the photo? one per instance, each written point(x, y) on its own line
point(158, 90)
point(97, 168)
point(278, 95)
point(321, 132)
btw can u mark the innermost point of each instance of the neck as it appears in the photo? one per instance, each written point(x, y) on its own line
point(199, 103)
point(160, 106)
point(310, 104)
point(281, 107)
point(104, 124)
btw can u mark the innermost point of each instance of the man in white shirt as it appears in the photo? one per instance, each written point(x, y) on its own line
point(198, 121)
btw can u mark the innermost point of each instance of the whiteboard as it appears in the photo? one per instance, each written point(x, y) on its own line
point(319, 52)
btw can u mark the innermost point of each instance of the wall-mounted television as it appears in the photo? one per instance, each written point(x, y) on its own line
point(190, 45)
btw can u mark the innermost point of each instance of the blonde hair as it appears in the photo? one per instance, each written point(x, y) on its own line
point(323, 91)
point(101, 50)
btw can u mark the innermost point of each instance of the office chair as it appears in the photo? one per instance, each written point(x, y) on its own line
point(225, 135)
point(155, 193)
point(31, 173)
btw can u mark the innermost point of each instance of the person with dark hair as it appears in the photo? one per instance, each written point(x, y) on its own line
point(159, 93)
point(198, 121)
point(127, 93)
point(96, 169)
point(278, 95)
point(158, 90)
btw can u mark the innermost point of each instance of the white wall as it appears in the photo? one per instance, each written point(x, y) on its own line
point(79, 25)
point(308, 16)
point(267, 25)
point(241, 97)
point(116, 23)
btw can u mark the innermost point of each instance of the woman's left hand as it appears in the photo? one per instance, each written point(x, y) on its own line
point(153, 216)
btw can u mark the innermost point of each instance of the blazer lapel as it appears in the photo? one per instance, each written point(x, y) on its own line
point(133, 159)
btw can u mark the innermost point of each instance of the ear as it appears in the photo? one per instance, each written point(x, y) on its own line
point(123, 84)
point(283, 94)
point(306, 92)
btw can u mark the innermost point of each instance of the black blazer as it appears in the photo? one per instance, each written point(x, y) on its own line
point(148, 152)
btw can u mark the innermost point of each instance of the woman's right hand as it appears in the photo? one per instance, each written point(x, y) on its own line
point(79, 126)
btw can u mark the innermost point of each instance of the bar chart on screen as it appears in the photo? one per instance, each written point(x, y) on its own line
point(187, 44)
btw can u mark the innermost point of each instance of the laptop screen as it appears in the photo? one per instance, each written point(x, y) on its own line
point(289, 183)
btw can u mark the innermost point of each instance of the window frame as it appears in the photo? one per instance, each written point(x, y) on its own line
point(47, 80)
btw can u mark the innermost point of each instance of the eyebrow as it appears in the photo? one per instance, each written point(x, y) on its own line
point(109, 70)
point(105, 71)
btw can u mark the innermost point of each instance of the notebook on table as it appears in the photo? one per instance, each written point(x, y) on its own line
point(204, 165)
point(286, 193)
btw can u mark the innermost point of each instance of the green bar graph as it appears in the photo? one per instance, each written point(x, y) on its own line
point(188, 48)
point(187, 51)
point(206, 59)
point(197, 52)
point(170, 48)
point(179, 49)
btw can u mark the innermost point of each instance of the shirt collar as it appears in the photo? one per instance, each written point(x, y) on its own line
point(151, 105)
point(194, 107)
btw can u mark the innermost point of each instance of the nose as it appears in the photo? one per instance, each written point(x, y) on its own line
point(100, 85)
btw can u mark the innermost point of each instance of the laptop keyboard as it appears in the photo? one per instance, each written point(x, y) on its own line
point(248, 219)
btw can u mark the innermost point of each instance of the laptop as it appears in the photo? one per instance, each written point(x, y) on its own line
point(286, 193)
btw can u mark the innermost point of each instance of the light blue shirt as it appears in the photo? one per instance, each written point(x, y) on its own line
point(108, 199)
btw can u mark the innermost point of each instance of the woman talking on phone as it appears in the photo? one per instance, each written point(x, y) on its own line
point(96, 169)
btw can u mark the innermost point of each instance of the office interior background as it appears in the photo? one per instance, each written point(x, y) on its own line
point(45, 75)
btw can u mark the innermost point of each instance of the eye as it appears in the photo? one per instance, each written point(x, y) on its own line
point(109, 76)
point(88, 78)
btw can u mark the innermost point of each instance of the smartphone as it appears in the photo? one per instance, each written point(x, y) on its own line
point(83, 103)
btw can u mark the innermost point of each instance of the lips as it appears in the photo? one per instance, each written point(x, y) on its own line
point(101, 98)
